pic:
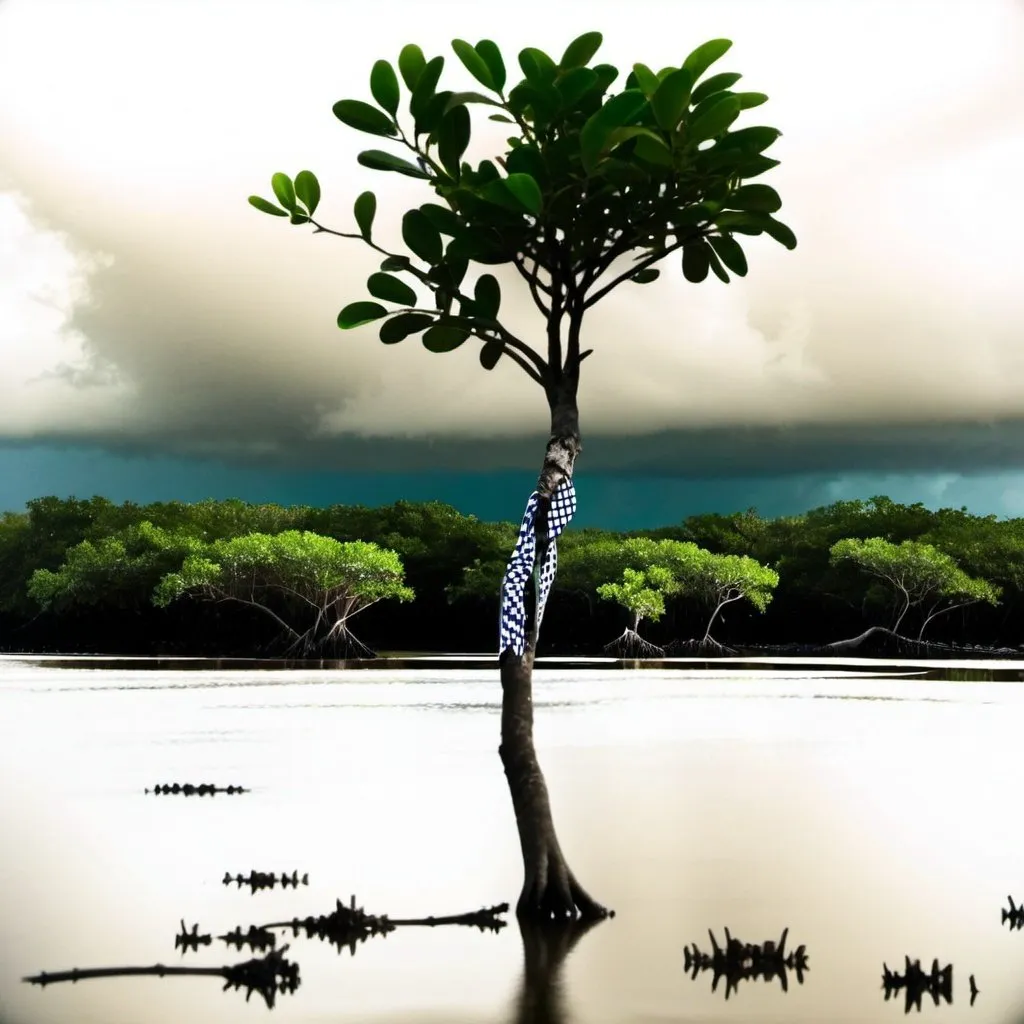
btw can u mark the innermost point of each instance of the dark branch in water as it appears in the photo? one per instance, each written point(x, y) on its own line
point(350, 925)
point(190, 939)
point(263, 880)
point(268, 975)
point(187, 789)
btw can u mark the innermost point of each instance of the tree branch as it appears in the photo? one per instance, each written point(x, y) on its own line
point(536, 286)
point(641, 265)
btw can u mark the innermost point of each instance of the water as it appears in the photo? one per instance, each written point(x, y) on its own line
point(874, 827)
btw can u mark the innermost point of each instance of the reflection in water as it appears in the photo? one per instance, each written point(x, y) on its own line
point(273, 973)
point(745, 961)
point(255, 938)
point(915, 983)
point(190, 940)
point(263, 880)
point(203, 789)
point(268, 975)
point(546, 946)
point(1014, 916)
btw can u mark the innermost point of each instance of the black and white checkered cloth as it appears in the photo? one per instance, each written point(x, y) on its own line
point(512, 625)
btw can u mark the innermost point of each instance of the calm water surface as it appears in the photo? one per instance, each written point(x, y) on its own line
point(874, 817)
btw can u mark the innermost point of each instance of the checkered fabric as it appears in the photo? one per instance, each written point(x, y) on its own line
point(512, 624)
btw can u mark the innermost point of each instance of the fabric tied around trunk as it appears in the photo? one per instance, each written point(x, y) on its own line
point(512, 626)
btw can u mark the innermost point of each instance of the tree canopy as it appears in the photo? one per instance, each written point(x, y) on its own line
point(100, 596)
point(916, 574)
point(309, 585)
point(594, 187)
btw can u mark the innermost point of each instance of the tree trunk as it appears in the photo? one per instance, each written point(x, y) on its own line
point(550, 889)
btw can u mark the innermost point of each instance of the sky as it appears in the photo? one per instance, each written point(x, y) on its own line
point(161, 339)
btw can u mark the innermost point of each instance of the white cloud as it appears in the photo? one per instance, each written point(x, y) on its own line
point(50, 377)
point(140, 128)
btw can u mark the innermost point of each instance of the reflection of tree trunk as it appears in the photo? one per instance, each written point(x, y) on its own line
point(545, 948)
point(549, 887)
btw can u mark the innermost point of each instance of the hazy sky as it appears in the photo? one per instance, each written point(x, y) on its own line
point(144, 306)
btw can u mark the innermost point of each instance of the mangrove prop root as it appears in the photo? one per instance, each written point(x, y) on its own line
point(632, 645)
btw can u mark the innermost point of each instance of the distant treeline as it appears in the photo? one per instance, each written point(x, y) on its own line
point(228, 578)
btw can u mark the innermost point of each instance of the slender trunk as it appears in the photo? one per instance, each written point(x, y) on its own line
point(636, 622)
point(549, 888)
point(903, 612)
point(942, 611)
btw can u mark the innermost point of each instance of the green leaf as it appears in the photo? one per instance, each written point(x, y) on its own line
point(495, 64)
point(355, 314)
point(780, 232)
point(761, 198)
point(695, 262)
point(525, 188)
point(307, 188)
point(755, 165)
point(748, 100)
point(646, 276)
point(538, 67)
point(527, 159)
point(390, 289)
point(473, 62)
point(705, 55)
point(425, 87)
point(574, 85)
point(716, 267)
point(378, 160)
point(501, 117)
point(384, 86)
point(646, 79)
point(299, 218)
point(453, 138)
point(398, 328)
point(361, 116)
point(365, 210)
point(446, 221)
point(392, 263)
point(444, 337)
point(754, 139)
point(266, 207)
point(581, 50)
point(284, 190)
point(490, 354)
point(620, 110)
point(716, 83)
point(730, 253)
point(487, 293)
point(714, 122)
point(411, 64)
point(741, 221)
point(421, 236)
point(671, 98)
point(456, 99)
